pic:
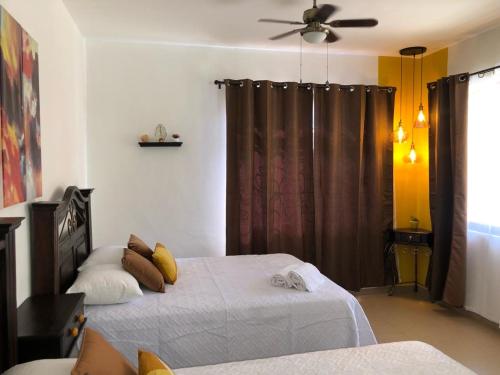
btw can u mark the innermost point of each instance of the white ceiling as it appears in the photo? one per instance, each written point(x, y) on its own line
point(433, 23)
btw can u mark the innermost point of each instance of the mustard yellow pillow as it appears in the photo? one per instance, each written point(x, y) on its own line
point(150, 364)
point(165, 262)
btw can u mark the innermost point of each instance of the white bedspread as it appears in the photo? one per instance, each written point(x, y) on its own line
point(224, 309)
point(397, 358)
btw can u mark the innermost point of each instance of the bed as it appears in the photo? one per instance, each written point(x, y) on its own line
point(222, 309)
point(394, 358)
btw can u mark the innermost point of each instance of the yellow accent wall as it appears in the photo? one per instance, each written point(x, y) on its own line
point(411, 181)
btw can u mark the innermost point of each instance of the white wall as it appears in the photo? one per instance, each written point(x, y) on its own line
point(63, 104)
point(175, 195)
point(471, 55)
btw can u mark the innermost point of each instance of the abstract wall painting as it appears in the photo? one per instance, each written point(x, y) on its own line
point(21, 161)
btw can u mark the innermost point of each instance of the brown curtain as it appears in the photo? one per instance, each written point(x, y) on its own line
point(448, 99)
point(353, 182)
point(270, 197)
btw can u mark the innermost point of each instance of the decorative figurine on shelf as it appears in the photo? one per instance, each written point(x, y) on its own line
point(144, 138)
point(414, 222)
point(176, 137)
point(161, 133)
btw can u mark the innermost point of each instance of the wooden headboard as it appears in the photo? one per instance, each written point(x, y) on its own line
point(8, 301)
point(61, 240)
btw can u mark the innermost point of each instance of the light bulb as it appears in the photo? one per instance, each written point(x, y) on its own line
point(413, 154)
point(401, 134)
point(420, 117)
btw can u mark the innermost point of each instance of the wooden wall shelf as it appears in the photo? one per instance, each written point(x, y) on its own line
point(160, 144)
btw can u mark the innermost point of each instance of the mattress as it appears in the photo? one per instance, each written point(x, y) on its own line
point(224, 309)
point(396, 358)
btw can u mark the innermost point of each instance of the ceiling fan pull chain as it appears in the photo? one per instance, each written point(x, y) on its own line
point(327, 64)
point(300, 68)
point(327, 83)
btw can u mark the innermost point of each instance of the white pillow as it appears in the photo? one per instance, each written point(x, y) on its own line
point(106, 284)
point(61, 366)
point(103, 255)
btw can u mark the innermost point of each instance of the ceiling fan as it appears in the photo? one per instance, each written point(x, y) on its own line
point(317, 28)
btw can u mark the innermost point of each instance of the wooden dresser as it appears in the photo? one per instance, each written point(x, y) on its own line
point(8, 301)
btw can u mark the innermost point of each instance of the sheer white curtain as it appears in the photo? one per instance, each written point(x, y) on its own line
point(483, 198)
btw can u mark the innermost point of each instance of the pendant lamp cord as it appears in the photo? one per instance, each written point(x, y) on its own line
point(421, 76)
point(413, 100)
point(401, 93)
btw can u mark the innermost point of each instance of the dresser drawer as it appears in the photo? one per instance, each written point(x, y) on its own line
point(409, 238)
point(72, 331)
point(415, 238)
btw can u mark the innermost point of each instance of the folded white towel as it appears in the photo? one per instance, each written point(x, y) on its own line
point(282, 279)
point(306, 277)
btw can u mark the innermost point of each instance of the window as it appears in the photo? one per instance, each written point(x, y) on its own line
point(484, 154)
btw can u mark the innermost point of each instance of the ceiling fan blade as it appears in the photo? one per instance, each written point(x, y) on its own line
point(324, 12)
point(331, 37)
point(284, 35)
point(366, 22)
point(270, 20)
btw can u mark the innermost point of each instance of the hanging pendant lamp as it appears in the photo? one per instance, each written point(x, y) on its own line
point(400, 136)
point(414, 51)
point(421, 121)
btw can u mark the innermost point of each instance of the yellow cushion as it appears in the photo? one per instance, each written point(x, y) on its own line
point(165, 262)
point(150, 364)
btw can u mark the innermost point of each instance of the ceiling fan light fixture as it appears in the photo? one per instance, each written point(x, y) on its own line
point(314, 37)
point(317, 27)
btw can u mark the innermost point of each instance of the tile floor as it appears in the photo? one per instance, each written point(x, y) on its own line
point(405, 316)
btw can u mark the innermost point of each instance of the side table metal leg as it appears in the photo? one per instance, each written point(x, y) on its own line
point(392, 254)
point(415, 287)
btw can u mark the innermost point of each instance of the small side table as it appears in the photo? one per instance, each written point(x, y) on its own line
point(417, 239)
point(49, 326)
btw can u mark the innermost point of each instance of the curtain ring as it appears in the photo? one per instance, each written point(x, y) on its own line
point(368, 89)
point(389, 90)
point(351, 88)
point(285, 86)
point(241, 83)
point(257, 84)
point(309, 86)
point(272, 86)
point(327, 86)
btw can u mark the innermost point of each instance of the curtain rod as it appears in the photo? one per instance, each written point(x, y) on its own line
point(464, 77)
point(308, 86)
point(485, 70)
